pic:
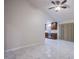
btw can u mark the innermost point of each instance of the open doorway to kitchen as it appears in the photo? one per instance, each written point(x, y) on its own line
point(51, 30)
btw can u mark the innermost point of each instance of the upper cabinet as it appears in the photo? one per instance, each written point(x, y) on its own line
point(54, 26)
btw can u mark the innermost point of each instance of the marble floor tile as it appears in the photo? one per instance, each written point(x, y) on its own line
point(51, 49)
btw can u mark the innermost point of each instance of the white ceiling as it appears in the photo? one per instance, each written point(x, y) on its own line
point(64, 14)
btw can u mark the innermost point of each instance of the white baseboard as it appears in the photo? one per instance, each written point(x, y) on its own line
point(14, 49)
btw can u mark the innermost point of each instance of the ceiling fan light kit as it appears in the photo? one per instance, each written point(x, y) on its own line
point(57, 9)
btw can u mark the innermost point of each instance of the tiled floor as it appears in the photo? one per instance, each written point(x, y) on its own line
point(51, 49)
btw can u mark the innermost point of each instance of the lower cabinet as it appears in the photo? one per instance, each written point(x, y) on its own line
point(46, 35)
point(51, 35)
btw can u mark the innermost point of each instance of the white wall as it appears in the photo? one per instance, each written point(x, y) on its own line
point(67, 21)
point(24, 25)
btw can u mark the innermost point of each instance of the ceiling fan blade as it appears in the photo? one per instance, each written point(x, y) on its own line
point(57, 2)
point(64, 2)
point(51, 7)
point(64, 7)
point(53, 2)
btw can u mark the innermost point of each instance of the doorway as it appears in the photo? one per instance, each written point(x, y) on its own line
point(51, 30)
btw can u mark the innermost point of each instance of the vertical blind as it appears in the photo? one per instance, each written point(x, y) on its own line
point(66, 31)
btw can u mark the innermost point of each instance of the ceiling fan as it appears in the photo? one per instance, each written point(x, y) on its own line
point(58, 5)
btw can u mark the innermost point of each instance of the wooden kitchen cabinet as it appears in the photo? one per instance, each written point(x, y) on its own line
point(54, 26)
point(53, 35)
point(46, 35)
